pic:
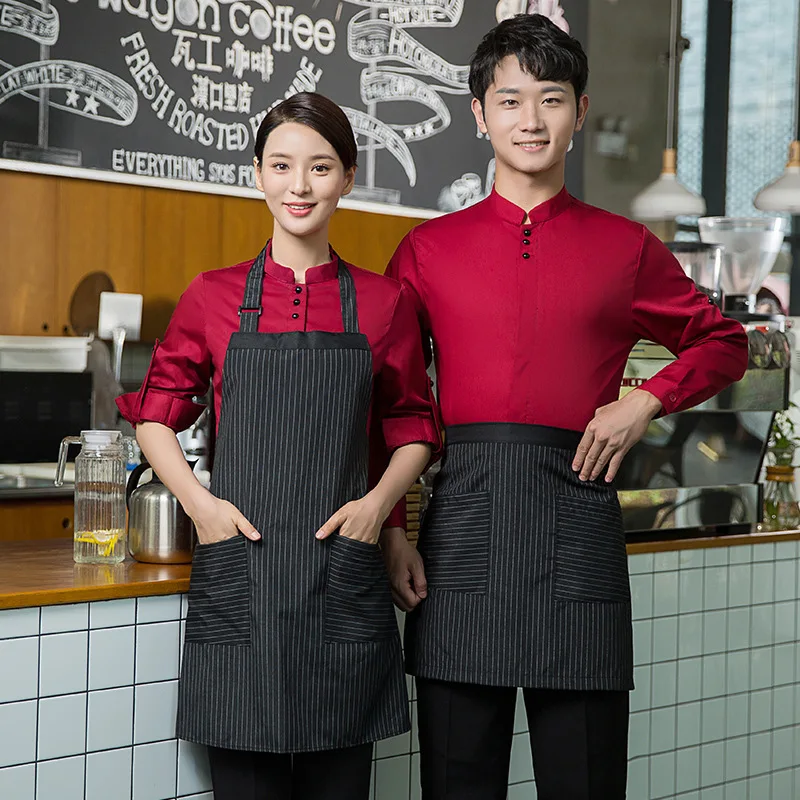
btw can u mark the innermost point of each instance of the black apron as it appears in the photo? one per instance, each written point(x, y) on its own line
point(291, 643)
point(526, 566)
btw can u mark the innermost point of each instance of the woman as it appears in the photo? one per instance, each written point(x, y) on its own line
point(292, 665)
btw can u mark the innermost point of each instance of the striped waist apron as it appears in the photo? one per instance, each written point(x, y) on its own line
point(526, 566)
point(292, 643)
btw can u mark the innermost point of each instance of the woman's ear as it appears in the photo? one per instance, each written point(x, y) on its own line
point(349, 181)
point(257, 169)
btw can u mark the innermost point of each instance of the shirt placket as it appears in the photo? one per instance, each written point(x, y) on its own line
point(522, 402)
point(299, 307)
point(527, 230)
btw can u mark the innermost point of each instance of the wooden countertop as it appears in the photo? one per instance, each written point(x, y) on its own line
point(42, 573)
point(701, 540)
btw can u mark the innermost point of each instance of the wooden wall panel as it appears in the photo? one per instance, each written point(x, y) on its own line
point(51, 518)
point(27, 254)
point(246, 226)
point(153, 241)
point(181, 239)
point(368, 240)
point(99, 229)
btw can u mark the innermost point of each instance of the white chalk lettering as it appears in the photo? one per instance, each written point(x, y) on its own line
point(275, 25)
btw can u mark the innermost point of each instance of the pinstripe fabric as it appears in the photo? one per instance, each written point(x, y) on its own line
point(317, 664)
point(555, 612)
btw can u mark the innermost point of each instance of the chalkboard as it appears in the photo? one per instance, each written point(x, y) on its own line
point(174, 90)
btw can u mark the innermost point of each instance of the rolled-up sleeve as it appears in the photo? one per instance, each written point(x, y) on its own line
point(668, 309)
point(180, 368)
point(404, 400)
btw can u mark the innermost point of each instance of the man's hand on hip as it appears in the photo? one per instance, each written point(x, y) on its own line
point(613, 431)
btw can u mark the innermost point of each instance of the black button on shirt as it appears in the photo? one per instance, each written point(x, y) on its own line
point(527, 231)
point(295, 316)
point(298, 289)
point(296, 301)
point(526, 241)
point(526, 255)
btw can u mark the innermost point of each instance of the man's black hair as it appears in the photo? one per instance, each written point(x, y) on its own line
point(542, 48)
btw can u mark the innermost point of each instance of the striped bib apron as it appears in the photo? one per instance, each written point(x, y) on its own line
point(291, 643)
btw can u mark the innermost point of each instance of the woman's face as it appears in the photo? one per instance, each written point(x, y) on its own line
point(302, 178)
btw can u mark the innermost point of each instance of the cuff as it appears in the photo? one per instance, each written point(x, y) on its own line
point(397, 516)
point(400, 431)
point(665, 391)
point(150, 405)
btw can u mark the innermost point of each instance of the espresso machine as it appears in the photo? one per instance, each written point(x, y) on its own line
point(701, 467)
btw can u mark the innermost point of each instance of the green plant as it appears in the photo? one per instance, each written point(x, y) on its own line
point(784, 440)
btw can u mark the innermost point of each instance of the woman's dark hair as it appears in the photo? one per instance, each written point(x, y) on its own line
point(542, 48)
point(318, 113)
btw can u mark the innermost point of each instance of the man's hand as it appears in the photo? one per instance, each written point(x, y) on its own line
point(405, 568)
point(358, 519)
point(613, 431)
point(217, 520)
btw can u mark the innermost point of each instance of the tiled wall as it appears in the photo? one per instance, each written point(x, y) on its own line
point(87, 703)
point(87, 692)
point(715, 710)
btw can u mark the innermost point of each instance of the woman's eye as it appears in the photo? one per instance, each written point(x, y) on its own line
point(321, 168)
point(280, 166)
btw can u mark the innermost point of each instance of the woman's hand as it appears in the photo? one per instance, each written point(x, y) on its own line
point(359, 519)
point(405, 569)
point(217, 520)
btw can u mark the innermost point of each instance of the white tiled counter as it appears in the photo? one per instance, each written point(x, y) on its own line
point(88, 694)
point(716, 709)
point(88, 691)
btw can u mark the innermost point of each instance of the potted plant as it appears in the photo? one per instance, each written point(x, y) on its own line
point(783, 440)
point(781, 510)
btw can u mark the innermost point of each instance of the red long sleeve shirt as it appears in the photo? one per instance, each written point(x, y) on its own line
point(191, 357)
point(533, 322)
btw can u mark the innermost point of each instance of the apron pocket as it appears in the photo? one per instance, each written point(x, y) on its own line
point(219, 594)
point(454, 542)
point(591, 559)
point(358, 598)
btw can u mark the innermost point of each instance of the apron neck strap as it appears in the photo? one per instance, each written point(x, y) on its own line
point(347, 292)
point(250, 309)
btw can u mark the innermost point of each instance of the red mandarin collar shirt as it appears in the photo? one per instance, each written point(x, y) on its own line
point(192, 355)
point(532, 322)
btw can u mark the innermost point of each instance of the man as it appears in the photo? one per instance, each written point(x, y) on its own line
point(533, 301)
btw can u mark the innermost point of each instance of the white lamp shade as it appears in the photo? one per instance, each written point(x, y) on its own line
point(666, 198)
point(782, 194)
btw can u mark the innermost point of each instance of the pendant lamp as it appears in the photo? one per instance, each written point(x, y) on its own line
point(783, 194)
point(666, 198)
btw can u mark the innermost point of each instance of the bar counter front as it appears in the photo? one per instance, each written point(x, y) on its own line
point(90, 655)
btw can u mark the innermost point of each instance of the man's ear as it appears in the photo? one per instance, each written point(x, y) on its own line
point(477, 110)
point(583, 110)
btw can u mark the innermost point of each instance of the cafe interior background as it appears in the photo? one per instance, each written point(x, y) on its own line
point(90, 653)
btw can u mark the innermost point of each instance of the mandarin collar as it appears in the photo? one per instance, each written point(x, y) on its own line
point(512, 213)
point(319, 274)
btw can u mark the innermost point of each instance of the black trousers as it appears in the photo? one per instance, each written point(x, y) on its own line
point(325, 775)
point(579, 741)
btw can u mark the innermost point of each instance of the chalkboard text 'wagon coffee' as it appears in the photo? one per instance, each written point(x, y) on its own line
point(174, 90)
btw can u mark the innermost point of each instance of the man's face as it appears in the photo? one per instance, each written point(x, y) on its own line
point(530, 122)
